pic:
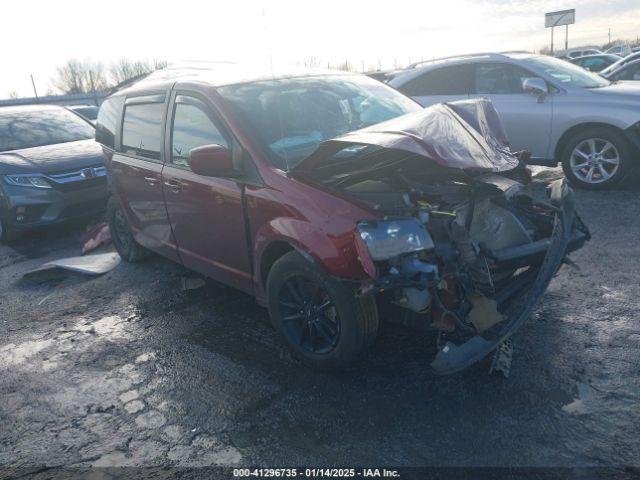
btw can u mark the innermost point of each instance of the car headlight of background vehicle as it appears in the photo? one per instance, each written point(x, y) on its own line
point(386, 239)
point(27, 181)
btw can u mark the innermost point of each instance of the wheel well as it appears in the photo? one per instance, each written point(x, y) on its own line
point(272, 253)
point(575, 129)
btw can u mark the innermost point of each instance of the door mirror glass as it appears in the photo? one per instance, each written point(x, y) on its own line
point(535, 86)
point(212, 161)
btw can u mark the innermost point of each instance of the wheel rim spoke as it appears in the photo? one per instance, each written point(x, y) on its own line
point(607, 146)
point(291, 305)
point(308, 315)
point(581, 154)
point(293, 318)
point(328, 337)
point(603, 172)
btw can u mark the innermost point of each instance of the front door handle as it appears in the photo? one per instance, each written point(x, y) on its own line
point(174, 186)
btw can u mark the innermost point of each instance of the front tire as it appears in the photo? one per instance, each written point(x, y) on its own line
point(596, 158)
point(319, 318)
point(8, 234)
point(121, 234)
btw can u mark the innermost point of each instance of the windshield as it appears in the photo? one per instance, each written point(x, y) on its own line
point(292, 116)
point(619, 63)
point(34, 128)
point(566, 73)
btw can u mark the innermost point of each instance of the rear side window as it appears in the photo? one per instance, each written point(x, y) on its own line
point(454, 80)
point(499, 78)
point(141, 130)
point(192, 127)
point(108, 117)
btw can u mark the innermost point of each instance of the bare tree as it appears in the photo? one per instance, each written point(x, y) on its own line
point(80, 76)
point(125, 69)
point(312, 62)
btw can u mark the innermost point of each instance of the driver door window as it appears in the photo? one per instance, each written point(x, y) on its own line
point(192, 127)
point(499, 79)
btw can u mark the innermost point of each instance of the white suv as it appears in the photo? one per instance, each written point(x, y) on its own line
point(556, 110)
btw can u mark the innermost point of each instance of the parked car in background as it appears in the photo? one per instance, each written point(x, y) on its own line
point(288, 187)
point(556, 110)
point(89, 112)
point(383, 75)
point(620, 63)
point(627, 72)
point(621, 50)
point(579, 52)
point(596, 63)
point(51, 168)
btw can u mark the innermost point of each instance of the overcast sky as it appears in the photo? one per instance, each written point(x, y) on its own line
point(38, 35)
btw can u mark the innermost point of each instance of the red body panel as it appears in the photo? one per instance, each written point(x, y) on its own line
point(221, 227)
point(207, 219)
point(138, 185)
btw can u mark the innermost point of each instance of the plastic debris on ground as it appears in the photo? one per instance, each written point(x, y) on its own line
point(96, 236)
point(88, 264)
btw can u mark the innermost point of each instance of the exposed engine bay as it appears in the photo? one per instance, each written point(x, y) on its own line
point(461, 239)
point(475, 241)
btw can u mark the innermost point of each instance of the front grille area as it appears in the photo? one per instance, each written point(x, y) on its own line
point(78, 179)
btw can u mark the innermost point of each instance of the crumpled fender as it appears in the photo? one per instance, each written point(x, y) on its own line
point(337, 255)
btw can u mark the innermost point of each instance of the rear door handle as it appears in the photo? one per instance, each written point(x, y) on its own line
point(151, 180)
point(174, 186)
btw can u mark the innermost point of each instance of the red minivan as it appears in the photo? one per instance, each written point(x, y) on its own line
point(329, 195)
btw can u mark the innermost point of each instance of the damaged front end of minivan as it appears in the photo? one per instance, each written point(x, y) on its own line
point(462, 238)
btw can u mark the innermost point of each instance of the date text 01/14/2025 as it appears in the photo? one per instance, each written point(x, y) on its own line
point(315, 473)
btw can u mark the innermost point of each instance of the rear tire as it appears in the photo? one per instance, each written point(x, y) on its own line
point(121, 235)
point(319, 318)
point(596, 158)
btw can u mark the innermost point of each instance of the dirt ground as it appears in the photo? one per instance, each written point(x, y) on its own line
point(130, 369)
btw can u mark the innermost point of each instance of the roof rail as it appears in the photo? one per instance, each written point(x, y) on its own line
point(469, 55)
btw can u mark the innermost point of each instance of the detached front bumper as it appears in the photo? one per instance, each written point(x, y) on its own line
point(30, 207)
point(519, 300)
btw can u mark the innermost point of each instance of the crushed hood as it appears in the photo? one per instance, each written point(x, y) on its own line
point(467, 135)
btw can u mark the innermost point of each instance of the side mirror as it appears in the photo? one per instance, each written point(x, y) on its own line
point(536, 86)
point(212, 161)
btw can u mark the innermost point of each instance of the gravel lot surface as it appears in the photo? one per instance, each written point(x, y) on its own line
point(130, 369)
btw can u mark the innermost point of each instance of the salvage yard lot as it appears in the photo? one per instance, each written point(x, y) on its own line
point(130, 369)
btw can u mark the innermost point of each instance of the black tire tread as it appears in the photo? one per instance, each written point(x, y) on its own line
point(135, 252)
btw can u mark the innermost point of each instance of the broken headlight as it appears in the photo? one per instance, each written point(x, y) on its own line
point(389, 238)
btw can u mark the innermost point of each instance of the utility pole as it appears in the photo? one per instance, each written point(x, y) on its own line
point(566, 38)
point(552, 40)
point(609, 34)
point(34, 87)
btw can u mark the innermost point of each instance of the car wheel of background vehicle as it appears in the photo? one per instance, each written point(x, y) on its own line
point(596, 158)
point(320, 319)
point(121, 235)
point(7, 233)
